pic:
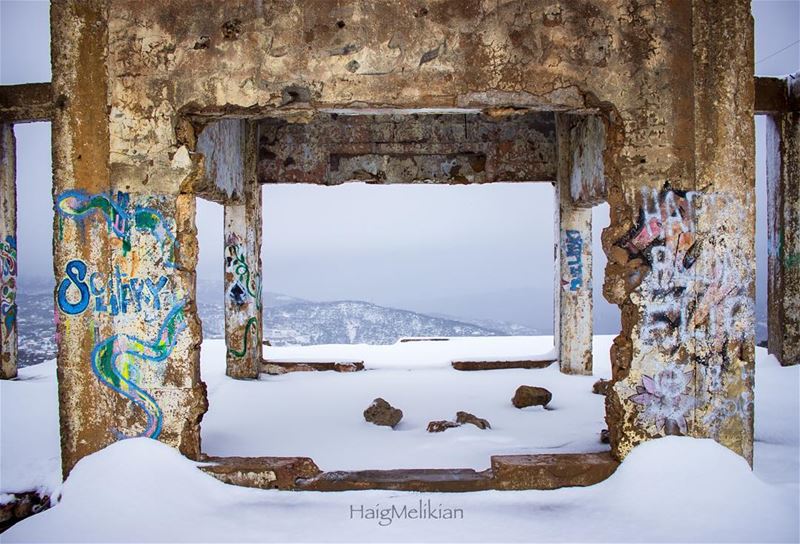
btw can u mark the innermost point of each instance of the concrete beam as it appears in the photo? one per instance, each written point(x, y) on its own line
point(783, 234)
point(772, 95)
point(573, 289)
point(8, 253)
point(26, 103)
point(461, 148)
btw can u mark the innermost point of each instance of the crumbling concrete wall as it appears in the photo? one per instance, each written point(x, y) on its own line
point(783, 235)
point(8, 253)
point(672, 81)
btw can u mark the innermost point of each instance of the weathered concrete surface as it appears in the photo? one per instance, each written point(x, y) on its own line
point(783, 234)
point(26, 103)
point(221, 145)
point(551, 471)
point(124, 258)
point(573, 278)
point(413, 148)
point(673, 82)
point(681, 248)
point(507, 472)
point(587, 182)
point(283, 367)
point(8, 253)
point(498, 365)
point(420, 480)
point(771, 95)
point(261, 472)
point(242, 236)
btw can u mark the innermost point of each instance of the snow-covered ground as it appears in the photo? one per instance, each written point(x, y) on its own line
point(674, 489)
point(319, 414)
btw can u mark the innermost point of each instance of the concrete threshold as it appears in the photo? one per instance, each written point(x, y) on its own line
point(507, 472)
point(500, 365)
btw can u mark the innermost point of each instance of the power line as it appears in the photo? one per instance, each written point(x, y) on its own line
point(778, 51)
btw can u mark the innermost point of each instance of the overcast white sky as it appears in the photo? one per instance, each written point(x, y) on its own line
point(476, 251)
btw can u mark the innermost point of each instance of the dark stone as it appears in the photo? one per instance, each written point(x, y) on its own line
point(381, 412)
point(528, 395)
point(466, 417)
point(604, 437)
point(441, 426)
point(601, 387)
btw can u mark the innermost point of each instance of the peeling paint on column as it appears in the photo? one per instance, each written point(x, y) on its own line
point(695, 302)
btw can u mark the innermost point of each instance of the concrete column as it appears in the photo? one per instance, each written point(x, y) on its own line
point(8, 253)
point(573, 290)
point(783, 217)
point(243, 312)
point(125, 251)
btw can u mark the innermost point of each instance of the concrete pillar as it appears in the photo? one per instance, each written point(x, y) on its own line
point(8, 253)
point(243, 312)
point(783, 217)
point(573, 289)
point(125, 251)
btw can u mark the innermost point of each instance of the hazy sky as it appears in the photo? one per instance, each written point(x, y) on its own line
point(475, 251)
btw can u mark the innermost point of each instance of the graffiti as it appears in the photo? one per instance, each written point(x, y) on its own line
point(573, 244)
point(121, 220)
point(113, 295)
point(251, 325)
point(8, 280)
point(116, 363)
point(244, 285)
point(681, 301)
point(664, 400)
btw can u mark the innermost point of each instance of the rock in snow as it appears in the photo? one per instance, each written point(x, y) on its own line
point(601, 386)
point(441, 425)
point(466, 417)
point(528, 395)
point(381, 412)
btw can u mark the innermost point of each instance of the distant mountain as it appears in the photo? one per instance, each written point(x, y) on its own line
point(356, 322)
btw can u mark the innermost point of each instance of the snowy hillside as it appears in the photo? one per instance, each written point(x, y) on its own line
point(355, 322)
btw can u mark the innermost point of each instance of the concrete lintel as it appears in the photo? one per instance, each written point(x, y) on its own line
point(26, 103)
point(8, 253)
point(331, 149)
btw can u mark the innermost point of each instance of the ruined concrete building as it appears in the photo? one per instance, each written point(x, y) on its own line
point(649, 107)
